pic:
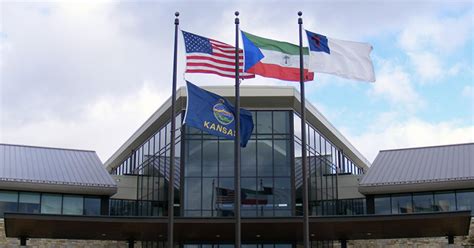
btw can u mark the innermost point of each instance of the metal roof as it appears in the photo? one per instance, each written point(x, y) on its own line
point(420, 169)
point(53, 170)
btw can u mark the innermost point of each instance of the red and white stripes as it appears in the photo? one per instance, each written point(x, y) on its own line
point(221, 62)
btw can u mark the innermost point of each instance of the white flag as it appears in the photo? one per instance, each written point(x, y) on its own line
point(346, 59)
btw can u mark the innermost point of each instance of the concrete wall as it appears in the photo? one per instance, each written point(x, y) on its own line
point(126, 187)
point(348, 186)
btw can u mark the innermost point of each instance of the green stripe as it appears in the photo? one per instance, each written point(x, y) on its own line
point(279, 46)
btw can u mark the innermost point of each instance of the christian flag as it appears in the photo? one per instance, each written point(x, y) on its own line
point(214, 115)
point(274, 59)
point(346, 59)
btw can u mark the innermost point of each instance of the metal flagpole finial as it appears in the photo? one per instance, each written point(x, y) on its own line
point(300, 13)
point(176, 20)
point(300, 20)
point(237, 17)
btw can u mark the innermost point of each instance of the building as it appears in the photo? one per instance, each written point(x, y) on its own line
point(349, 199)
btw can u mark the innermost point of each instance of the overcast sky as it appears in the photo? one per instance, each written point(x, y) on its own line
point(86, 75)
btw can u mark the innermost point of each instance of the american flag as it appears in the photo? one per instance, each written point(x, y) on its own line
point(204, 55)
point(224, 195)
point(248, 196)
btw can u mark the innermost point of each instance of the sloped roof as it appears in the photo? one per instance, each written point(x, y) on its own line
point(53, 170)
point(420, 169)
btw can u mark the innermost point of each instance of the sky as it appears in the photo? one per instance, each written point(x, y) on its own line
point(87, 74)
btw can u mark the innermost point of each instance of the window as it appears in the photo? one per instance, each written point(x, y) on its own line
point(423, 202)
point(264, 158)
point(264, 122)
point(51, 204)
point(382, 205)
point(402, 204)
point(265, 170)
point(209, 152)
point(29, 202)
point(281, 122)
point(73, 205)
point(226, 158)
point(193, 158)
point(192, 187)
point(281, 157)
point(445, 201)
point(91, 206)
point(465, 200)
point(8, 202)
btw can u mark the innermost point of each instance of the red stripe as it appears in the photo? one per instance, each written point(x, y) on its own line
point(232, 52)
point(254, 201)
point(279, 72)
point(227, 50)
point(217, 73)
point(219, 42)
point(213, 60)
point(212, 66)
point(220, 50)
point(226, 56)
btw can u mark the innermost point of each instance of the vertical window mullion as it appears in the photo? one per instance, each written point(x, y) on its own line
point(202, 172)
point(321, 177)
point(273, 166)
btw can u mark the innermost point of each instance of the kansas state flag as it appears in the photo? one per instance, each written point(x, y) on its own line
point(213, 114)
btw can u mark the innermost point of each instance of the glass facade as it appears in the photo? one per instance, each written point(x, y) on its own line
point(29, 202)
point(271, 173)
point(8, 202)
point(150, 163)
point(51, 204)
point(46, 203)
point(382, 205)
point(73, 204)
point(265, 170)
point(402, 204)
point(438, 201)
point(325, 161)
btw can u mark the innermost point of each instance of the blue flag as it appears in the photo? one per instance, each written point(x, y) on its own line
point(214, 115)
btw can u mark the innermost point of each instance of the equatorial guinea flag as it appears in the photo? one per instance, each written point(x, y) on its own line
point(274, 59)
point(346, 59)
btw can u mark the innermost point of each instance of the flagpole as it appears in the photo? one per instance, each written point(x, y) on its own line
point(237, 137)
point(303, 139)
point(173, 139)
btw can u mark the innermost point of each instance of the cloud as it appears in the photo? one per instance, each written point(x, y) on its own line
point(72, 75)
point(427, 65)
point(394, 84)
point(440, 34)
point(468, 91)
point(65, 55)
point(103, 125)
point(430, 41)
point(388, 133)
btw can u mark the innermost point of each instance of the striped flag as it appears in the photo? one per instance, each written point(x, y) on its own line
point(204, 55)
point(274, 59)
point(224, 196)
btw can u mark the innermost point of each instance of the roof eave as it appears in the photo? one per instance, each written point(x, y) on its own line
point(408, 187)
point(56, 187)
